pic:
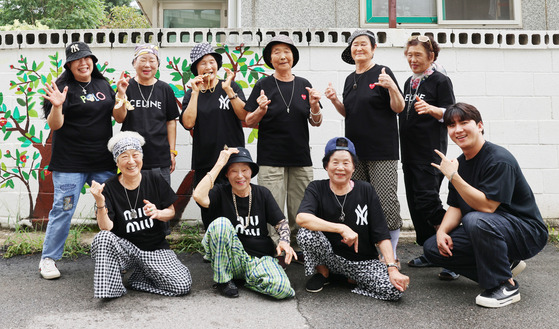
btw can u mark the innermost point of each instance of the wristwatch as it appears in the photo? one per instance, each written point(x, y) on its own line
point(392, 265)
point(174, 152)
point(233, 97)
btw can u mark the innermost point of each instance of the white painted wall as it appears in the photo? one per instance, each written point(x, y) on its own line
point(513, 82)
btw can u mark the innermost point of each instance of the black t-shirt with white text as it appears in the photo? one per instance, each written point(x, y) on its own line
point(495, 172)
point(421, 134)
point(149, 118)
point(283, 137)
point(216, 125)
point(252, 232)
point(80, 145)
point(147, 234)
point(370, 122)
point(363, 215)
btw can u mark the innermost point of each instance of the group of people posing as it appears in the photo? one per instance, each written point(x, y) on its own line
point(344, 228)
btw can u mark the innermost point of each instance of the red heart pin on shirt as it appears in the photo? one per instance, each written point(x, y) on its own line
point(372, 85)
point(304, 97)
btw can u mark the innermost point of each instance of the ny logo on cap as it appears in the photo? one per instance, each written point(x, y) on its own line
point(74, 48)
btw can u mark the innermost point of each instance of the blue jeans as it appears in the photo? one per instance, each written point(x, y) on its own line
point(67, 188)
point(486, 244)
point(165, 172)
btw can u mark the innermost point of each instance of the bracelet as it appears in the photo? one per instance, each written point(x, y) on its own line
point(233, 97)
point(315, 122)
point(174, 152)
point(124, 101)
point(319, 112)
point(451, 176)
point(211, 180)
point(97, 207)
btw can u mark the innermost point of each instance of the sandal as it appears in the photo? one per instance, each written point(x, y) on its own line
point(448, 275)
point(420, 261)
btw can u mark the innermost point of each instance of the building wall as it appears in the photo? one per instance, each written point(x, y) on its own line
point(536, 14)
point(511, 76)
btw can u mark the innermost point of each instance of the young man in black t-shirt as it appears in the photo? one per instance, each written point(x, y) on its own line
point(492, 222)
point(237, 241)
point(132, 208)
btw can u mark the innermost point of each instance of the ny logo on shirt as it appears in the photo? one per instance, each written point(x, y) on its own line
point(224, 102)
point(361, 215)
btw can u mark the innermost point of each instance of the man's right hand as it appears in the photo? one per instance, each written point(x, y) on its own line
point(444, 243)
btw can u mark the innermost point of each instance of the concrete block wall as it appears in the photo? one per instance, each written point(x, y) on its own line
point(511, 76)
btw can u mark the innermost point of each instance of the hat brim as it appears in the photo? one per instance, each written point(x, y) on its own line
point(79, 55)
point(267, 53)
point(218, 59)
point(346, 56)
point(241, 159)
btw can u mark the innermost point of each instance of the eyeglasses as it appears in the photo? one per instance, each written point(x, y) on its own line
point(422, 38)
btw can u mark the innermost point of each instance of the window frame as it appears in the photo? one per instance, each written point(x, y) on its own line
point(367, 19)
point(193, 5)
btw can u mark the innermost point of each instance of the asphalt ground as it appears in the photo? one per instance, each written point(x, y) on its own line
point(28, 301)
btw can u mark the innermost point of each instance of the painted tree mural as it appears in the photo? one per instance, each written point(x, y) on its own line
point(28, 160)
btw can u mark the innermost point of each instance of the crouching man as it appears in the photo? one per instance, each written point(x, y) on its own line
point(493, 222)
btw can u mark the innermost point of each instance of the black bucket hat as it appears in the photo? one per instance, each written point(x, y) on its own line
point(244, 157)
point(346, 54)
point(77, 50)
point(201, 50)
point(267, 53)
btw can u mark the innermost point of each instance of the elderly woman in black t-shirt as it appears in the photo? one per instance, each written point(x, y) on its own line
point(131, 209)
point(341, 222)
point(237, 242)
point(428, 92)
point(283, 106)
point(78, 109)
point(371, 101)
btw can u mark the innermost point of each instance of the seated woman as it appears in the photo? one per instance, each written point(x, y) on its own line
point(341, 221)
point(236, 241)
point(132, 236)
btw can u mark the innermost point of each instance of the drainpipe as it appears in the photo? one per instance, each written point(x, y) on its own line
point(392, 14)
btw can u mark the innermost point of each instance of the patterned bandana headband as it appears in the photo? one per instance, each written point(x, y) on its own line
point(124, 141)
point(146, 49)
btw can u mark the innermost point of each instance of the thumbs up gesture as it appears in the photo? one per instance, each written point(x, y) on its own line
point(330, 92)
point(314, 96)
point(263, 101)
point(384, 80)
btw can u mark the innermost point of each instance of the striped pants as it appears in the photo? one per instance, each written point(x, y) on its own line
point(158, 271)
point(230, 261)
point(371, 276)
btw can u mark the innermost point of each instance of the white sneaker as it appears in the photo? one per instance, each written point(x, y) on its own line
point(48, 269)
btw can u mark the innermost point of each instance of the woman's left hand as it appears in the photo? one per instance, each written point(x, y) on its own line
point(384, 80)
point(289, 252)
point(398, 280)
point(150, 210)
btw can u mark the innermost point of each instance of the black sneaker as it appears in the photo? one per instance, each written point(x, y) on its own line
point(500, 296)
point(316, 283)
point(228, 289)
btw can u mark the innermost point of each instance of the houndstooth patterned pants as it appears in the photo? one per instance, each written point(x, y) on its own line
point(371, 275)
point(230, 261)
point(158, 271)
point(383, 175)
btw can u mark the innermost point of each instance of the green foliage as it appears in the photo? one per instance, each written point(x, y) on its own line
point(20, 26)
point(26, 241)
point(23, 242)
point(74, 246)
point(56, 14)
point(125, 17)
point(117, 3)
point(553, 235)
point(190, 239)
